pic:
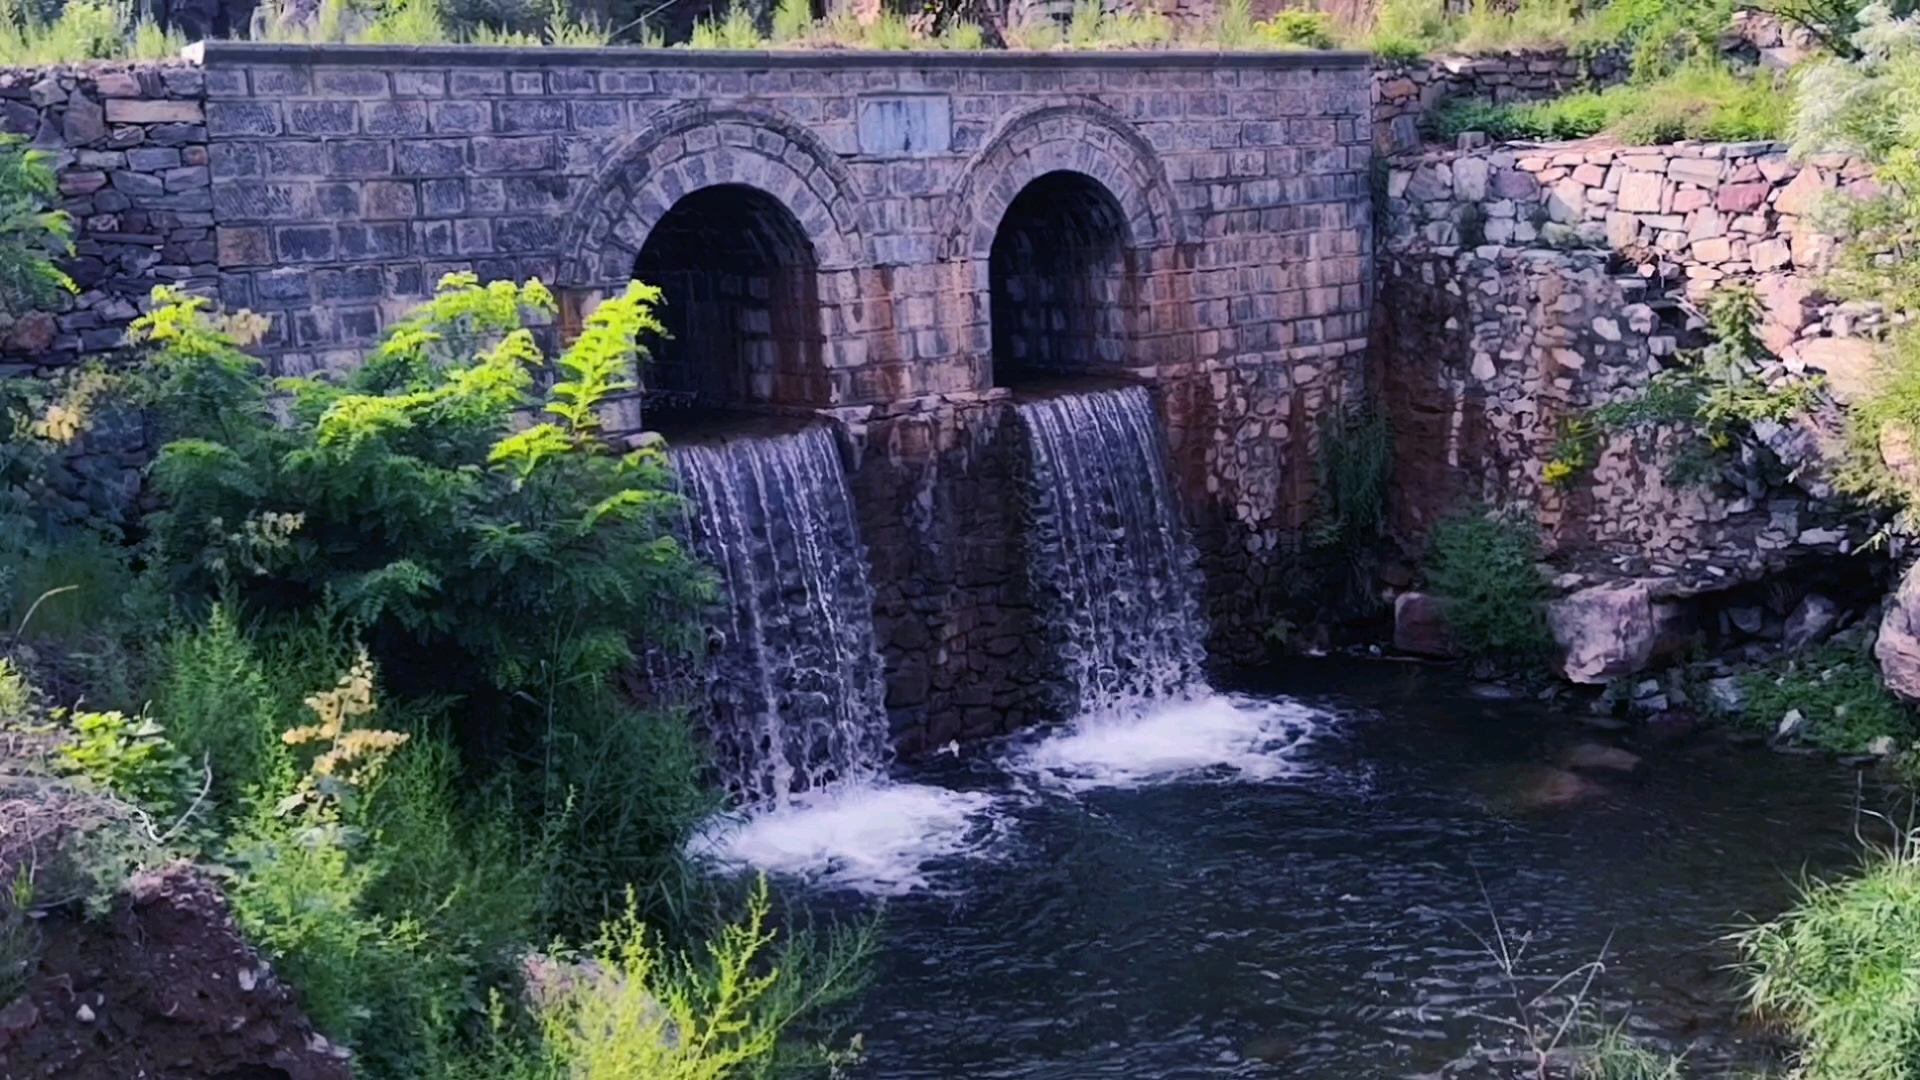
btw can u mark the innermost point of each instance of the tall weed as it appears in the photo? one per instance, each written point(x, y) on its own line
point(215, 697)
point(1841, 970)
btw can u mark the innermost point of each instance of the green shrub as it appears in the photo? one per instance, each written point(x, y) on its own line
point(1838, 689)
point(735, 31)
point(1482, 566)
point(474, 557)
point(1699, 409)
point(1841, 970)
point(621, 798)
point(1356, 462)
point(217, 701)
point(84, 30)
point(32, 234)
point(1700, 102)
point(129, 757)
point(1299, 29)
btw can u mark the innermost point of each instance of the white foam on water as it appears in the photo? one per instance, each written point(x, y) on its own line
point(877, 838)
point(1207, 736)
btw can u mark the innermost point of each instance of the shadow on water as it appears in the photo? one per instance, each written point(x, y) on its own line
point(1320, 922)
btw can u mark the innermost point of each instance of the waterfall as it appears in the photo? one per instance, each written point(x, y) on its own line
point(795, 683)
point(1114, 573)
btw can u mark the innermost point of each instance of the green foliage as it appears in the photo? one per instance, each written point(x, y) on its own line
point(470, 551)
point(1356, 462)
point(1865, 107)
point(32, 236)
point(1838, 689)
point(792, 20)
point(638, 1010)
point(1697, 102)
point(1482, 566)
point(19, 940)
point(84, 30)
point(220, 704)
point(1611, 1054)
point(622, 797)
point(129, 756)
point(735, 31)
point(1699, 408)
point(1304, 29)
point(1094, 28)
point(1841, 970)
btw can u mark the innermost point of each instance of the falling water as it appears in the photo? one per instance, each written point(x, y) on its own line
point(795, 685)
point(1117, 585)
point(1112, 567)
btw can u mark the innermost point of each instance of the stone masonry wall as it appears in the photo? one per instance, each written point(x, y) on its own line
point(330, 187)
point(1405, 94)
point(347, 180)
point(1522, 286)
point(1694, 215)
point(129, 148)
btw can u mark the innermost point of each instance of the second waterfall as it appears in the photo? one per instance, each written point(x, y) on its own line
point(1113, 571)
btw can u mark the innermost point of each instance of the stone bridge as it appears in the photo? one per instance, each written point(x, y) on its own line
point(897, 240)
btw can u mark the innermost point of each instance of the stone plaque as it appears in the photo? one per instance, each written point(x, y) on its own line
point(905, 124)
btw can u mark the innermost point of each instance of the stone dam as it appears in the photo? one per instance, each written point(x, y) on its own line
point(901, 244)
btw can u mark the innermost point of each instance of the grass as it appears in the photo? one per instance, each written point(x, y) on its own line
point(1482, 566)
point(84, 30)
point(1841, 971)
point(1701, 102)
point(1091, 27)
point(1837, 688)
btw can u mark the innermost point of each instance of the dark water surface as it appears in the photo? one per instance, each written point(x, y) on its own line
point(1320, 924)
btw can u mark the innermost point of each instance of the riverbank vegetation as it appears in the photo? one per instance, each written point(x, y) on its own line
point(353, 654)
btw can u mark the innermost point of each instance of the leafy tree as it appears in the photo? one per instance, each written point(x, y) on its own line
point(479, 554)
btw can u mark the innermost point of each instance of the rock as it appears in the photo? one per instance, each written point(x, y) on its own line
point(1898, 646)
point(1791, 725)
point(1549, 788)
point(1882, 746)
point(1594, 756)
point(1812, 620)
point(1726, 693)
point(1849, 364)
point(1803, 194)
point(1607, 631)
point(1747, 620)
point(1671, 725)
point(1419, 625)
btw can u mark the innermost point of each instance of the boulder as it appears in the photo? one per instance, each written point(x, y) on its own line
point(1898, 646)
point(1597, 757)
point(1420, 626)
point(1811, 621)
point(1611, 630)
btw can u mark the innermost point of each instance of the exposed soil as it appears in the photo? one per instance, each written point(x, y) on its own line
point(164, 988)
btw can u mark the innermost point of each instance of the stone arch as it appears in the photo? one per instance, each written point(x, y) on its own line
point(700, 146)
point(1079, 137)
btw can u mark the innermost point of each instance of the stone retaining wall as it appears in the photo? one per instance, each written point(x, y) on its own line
point(1693, 214)
point(1405, 94)
point(129, 148)
point(1522, 286)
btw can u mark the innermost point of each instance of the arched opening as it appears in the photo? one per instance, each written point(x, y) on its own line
point(1059, 278)
point(741, 304)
